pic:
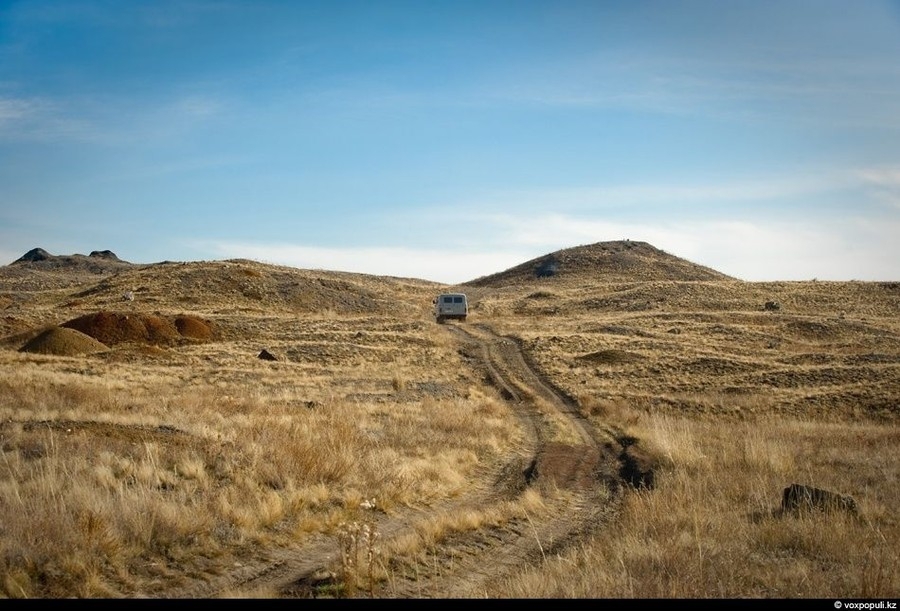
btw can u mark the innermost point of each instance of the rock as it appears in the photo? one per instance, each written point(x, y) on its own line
point(800, 497)
point(547, 268)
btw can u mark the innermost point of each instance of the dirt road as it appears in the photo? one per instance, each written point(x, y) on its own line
point(578, 470)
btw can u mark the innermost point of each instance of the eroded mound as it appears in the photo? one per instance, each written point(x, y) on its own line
point(113, 328)
point(62, 341)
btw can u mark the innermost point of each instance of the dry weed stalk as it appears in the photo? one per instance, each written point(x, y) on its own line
point(359, 550)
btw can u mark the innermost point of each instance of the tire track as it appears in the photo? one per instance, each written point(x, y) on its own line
point(574, 468)
point(578, 480)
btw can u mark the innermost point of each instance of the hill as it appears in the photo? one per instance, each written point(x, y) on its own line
point(41, 289)
point(616, 261)
point(38, 270)
point(98, 261)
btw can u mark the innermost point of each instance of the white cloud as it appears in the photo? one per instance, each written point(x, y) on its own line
point(8, 256)
point(104, 119)
point(884, 176)
point(883, 184)
point(848, 249)
point(853, 249)
point(504, 229)
point(12, 109)
point(436, 265)
point(44, 119)
point(630, 195)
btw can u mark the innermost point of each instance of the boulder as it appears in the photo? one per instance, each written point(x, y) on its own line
point(800, 497)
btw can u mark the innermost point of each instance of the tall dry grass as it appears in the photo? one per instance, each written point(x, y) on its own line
point(713, 526)
point(107, 491)
point(126, 473)
point(739, 404)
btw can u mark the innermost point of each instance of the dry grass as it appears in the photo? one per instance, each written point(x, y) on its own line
point(713, 526)
point(740, 403)
point(232, 475)
point(138, 466)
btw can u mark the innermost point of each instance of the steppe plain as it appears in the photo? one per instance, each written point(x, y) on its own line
point(611, 421)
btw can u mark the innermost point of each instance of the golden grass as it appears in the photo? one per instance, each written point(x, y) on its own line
point(133, 469)
point(238, 472)
point(713, 528)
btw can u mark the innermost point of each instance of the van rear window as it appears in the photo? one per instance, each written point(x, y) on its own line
point(457, 300)
point(448, 299)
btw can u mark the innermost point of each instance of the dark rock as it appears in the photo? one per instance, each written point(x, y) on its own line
point(547, 268)
point(800, 497)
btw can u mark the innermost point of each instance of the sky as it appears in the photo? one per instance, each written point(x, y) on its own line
point(450, 140)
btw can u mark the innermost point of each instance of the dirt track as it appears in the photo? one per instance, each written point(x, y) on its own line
point(579, 472)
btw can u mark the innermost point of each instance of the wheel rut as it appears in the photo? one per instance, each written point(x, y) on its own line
point(575, 469)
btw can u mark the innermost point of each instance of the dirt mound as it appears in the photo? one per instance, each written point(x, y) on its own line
point(194, 328)
point(113, 328)
point(62, 341)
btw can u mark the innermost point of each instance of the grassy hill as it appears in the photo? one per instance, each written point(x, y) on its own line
point(618, 261)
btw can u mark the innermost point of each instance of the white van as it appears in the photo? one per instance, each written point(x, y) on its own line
point(451, 306)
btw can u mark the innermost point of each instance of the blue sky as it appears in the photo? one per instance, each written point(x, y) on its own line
point(448, 140)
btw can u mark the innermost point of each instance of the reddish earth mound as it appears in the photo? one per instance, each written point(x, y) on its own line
point(63, 342)
point(193, 327)
point(113, 328)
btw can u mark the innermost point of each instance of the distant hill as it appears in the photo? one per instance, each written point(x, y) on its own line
point(99, 261)
point(618, 261)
